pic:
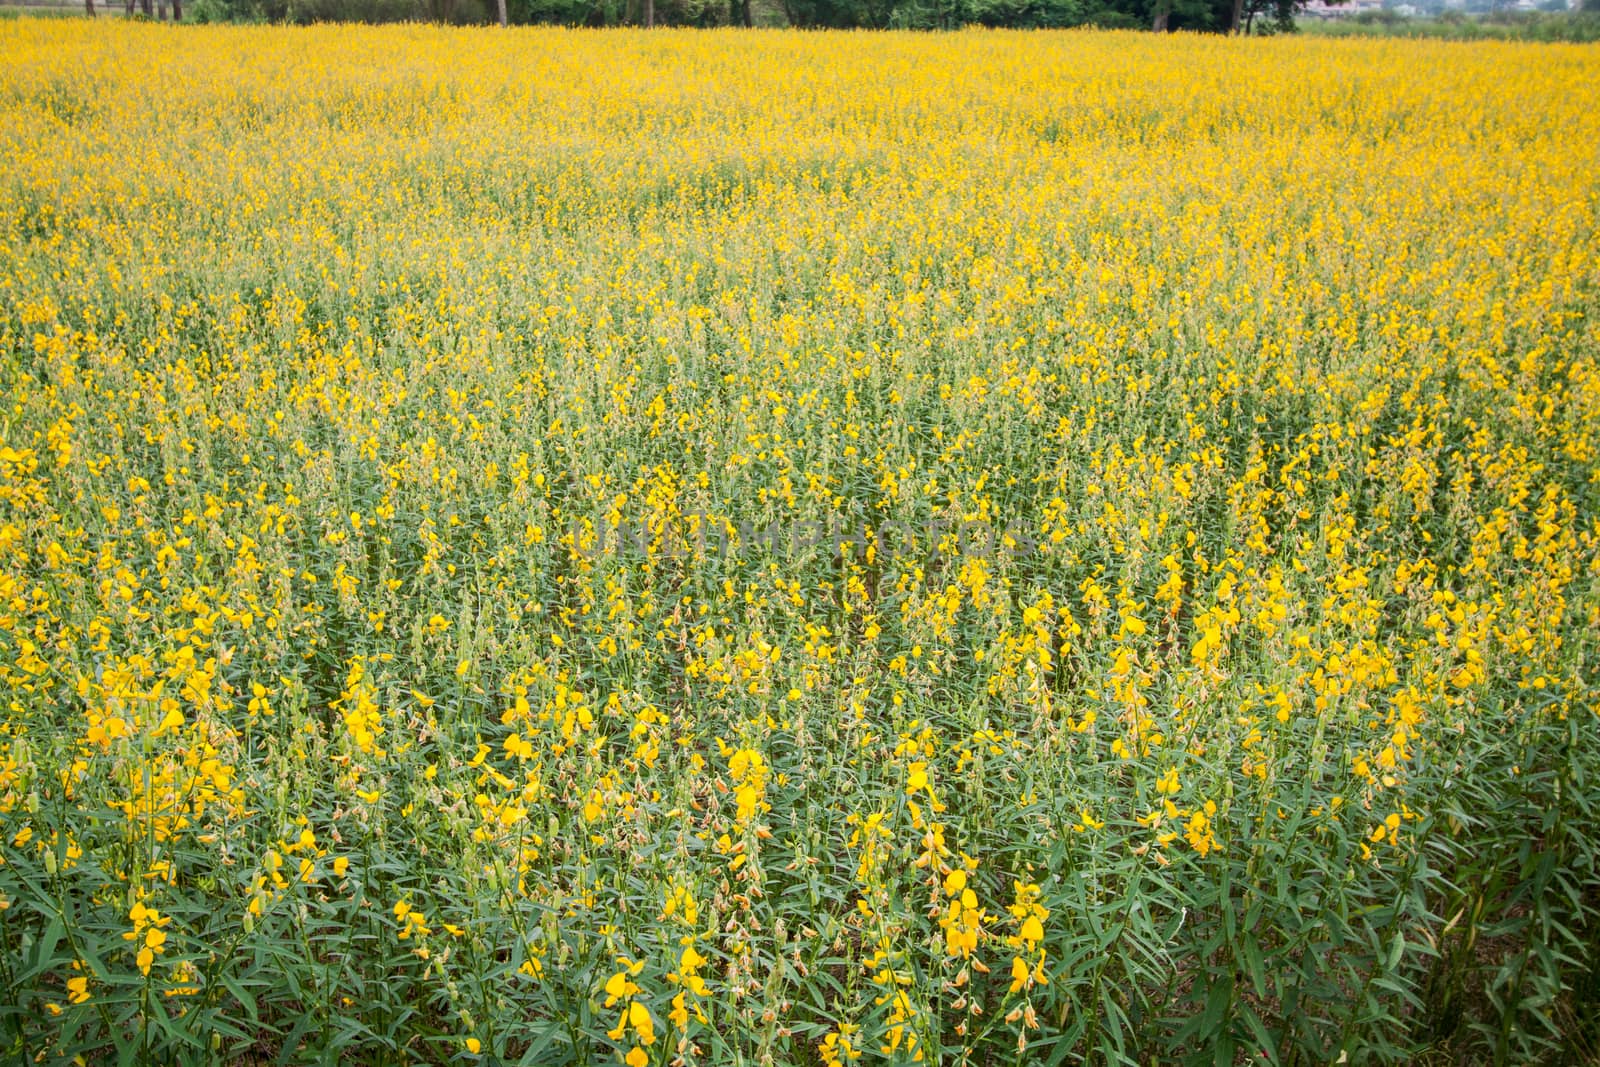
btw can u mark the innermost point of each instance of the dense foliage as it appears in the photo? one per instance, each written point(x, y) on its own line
point(553, 547)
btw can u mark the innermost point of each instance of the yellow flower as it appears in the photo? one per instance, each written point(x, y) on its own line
point(643, 1025)
point(617, 987)
point(679, 1013)
point(1019, 974)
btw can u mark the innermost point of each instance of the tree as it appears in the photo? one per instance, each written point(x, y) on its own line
point(1031, 14)
point(500, 3)
point(837, 14)
point(89, 4)
point(1207, 16)
point(1280, 13)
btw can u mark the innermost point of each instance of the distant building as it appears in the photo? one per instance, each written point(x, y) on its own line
point(1319, 9)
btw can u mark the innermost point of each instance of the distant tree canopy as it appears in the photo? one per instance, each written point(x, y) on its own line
point(1219, 16)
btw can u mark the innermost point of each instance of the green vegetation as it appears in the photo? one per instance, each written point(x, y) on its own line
point(1576, 26)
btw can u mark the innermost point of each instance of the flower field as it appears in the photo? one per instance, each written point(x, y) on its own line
point(769, 548)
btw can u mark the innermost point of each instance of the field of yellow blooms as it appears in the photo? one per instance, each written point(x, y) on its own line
point(754, 548)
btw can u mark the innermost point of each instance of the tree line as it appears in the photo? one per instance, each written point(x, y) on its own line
point(1217, 16)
